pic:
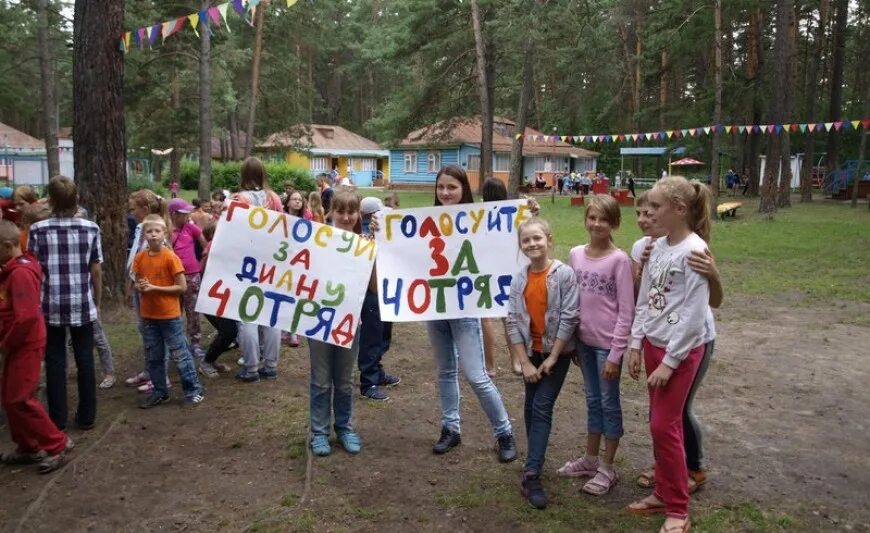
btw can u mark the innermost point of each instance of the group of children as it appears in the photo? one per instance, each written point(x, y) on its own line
point(653, 305)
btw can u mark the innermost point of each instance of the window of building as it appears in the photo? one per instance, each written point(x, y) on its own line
point(320, 163)
point(433, 161)
point(501, 163)
point(410, 162)
point(473, 162)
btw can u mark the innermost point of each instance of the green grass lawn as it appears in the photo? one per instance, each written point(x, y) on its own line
point(819, 250)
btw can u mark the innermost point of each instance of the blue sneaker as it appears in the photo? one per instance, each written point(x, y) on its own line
point(350, 441)
point(268, 373)
point(320, 445)
point(244, 377)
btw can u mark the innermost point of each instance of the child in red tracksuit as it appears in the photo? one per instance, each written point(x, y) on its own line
point(22, 347)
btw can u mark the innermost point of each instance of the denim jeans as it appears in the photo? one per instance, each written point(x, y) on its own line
point(160, 333)
point(331, 383)
point(374, 341)
point(55, 373)
point(540, 399)
point(691, 428)
point(140, 325)
point(249, 342)
point(603, 409)
point(457, 343)
point(227, 330)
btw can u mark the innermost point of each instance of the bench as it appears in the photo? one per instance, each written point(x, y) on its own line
point(728, 209)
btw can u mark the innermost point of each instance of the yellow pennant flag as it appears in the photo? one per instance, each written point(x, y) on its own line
point(854, 122)
point(127, 44)
point(194, 22)
point(563, 137)
point(291, 3)
point(669, 133)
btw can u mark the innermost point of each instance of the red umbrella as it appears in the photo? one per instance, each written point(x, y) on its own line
point(686, 162)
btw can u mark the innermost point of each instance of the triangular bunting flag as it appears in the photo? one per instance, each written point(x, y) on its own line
point(769, 128)
point(194, 22)
point(828, 126)
point(866, 123)
point(803, 127)
point(215, 16)
point(847, 124)
point(820, 125)
point(669, 133)
point(792, 127)
point(838, 125)
point(517, 136)
point(684, 132)
point(240, 9)
point(291, 3)
point(562, 138)
point(728, 129)
point(778, 128)
point(122, 45)
point(569, 138)
point(707, 130)
point(811, 127)
point(129, 34)
point(222, 9)
point(633, 137)
point(143, 36)
point(692, 132)
point(741, 129)
point(155, 32)
point(854, 122)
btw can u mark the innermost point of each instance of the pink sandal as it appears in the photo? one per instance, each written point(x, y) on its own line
point(582, 467)
point(601, 484)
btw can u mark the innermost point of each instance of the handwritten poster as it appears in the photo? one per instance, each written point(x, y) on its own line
point(281, 271)
point(448, 262)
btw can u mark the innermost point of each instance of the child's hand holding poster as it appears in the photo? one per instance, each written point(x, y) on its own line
point(448, 262)
point(281, 271)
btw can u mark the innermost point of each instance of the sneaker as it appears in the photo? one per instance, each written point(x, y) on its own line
point(241, 361)
point(351, 442)
point(53, 462)
point(136, 380)
point(268, 373)
point(208, 370)
point(507, 448)
point(233, 345)
point(20, 458)
point(194, 400)
point(153, 400)
point(449, 439)
point(320, 445)
point(389, 380)
point(532, 489)
point(582, 467)
point(375, 393)
point(108, 382)
point(247, 378)
point(198, 352)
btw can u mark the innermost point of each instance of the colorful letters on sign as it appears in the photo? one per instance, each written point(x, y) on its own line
point(281, 271)
point(449, 261)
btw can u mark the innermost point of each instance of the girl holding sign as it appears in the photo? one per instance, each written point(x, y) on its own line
point(457, 343)
point(332, 366)
point(542, 319)
point(255, 191)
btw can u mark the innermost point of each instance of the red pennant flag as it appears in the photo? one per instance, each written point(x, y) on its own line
point(866, 123)
point(793, 127)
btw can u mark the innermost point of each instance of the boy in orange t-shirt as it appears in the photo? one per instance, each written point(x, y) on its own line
point(160, 281)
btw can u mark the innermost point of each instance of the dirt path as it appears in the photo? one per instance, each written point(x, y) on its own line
point(784, 408)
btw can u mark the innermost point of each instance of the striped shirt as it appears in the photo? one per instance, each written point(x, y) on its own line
point(66, 248)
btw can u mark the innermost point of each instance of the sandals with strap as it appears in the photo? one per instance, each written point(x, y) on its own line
point(648, 505)
point(582, 467)
point(647, 480)
point(601, 484)
point(680, 528)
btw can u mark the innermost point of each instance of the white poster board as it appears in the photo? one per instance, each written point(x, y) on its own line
point(281, 271)
point(448, 262)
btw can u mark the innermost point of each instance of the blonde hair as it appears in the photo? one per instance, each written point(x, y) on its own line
point(344, 200)
point(695, 196)
point(153, 220)
point(35, 212)
point(63, 196)
point(641, 199)
point(607, 206)
point(315, 204)
point(25, 193)
point(535, 222)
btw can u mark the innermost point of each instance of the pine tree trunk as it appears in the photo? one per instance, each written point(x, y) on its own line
point(486, 118)
point(98, 118)
point(49, 97)
point(812, 83)
point(717, 110)
point(204, 188)
point(255, 79)
point(175, 165)
point(235, 148)
point(754, 67)
point(862, 152)
point(526, 95)
point(841, 9)
point(787, 50)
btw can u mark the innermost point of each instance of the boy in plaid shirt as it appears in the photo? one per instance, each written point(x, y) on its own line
point(70, 253)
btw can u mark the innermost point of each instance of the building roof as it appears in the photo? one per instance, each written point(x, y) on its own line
point(12, 138)
point(464, 130)
point(322, 139)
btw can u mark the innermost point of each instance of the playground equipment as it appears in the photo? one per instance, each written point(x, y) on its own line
point(838, 183)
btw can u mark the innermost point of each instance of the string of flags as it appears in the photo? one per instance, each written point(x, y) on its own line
point(213, 16)
point(748, 129)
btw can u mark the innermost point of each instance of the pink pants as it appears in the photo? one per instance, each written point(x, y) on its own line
point(666, 426)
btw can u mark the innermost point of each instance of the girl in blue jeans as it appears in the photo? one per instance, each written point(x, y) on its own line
point(458, 343)
point(606, 291)
point(541, 323)
point(332, 366)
